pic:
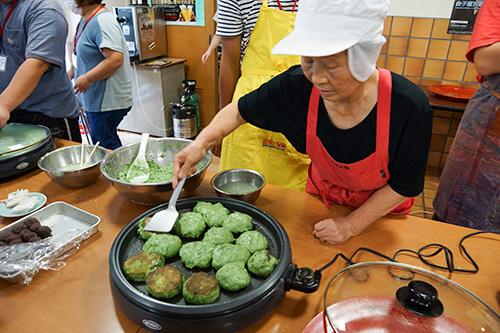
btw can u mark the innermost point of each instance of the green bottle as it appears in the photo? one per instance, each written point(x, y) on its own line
point(190, 98)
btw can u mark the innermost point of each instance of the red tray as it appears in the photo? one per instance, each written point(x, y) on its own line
point(454, 93)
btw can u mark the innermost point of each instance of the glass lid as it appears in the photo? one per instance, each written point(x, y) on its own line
point(394, 297)
point(15, 137)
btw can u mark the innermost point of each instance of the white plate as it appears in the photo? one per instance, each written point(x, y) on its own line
point(7, 212)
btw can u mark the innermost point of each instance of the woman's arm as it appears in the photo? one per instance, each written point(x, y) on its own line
point(338, 230)
point(224, 122)
point(487, 59)
point(213, 45)
point(107, 67)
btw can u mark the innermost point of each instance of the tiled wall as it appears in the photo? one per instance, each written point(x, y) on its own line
point(421, 50)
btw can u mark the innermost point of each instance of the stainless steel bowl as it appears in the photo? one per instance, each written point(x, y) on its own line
point(162, 151)
point(63, 165)
point(240, 184)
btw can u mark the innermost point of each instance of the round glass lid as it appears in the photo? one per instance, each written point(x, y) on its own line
point(16, 137)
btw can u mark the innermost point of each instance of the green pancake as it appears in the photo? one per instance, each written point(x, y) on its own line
point(262, 263)
point(252, 240)
point(238, 222)
point(233, 276)
point(218, 235)
point(200, 289)
point(226, 253)
point(214, 214)
point(165, 244)
point(196, 254)
point(164, 282)
point(190, 225)
point(139, 265)
point(142, 223)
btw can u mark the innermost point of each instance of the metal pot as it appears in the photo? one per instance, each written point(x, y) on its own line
point(233, 311)
point(21, 145)
point(394, 297)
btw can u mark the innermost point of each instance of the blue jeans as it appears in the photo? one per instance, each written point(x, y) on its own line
point(103, 127)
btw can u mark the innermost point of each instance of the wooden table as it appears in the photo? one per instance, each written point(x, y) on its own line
point(78, 298)
point(439, 103)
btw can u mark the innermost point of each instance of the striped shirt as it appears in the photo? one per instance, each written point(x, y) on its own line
point(238, 17)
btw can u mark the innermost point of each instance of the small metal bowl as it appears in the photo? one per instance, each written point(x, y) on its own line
point(240, 184)
point(63, 165)
point(161, 151)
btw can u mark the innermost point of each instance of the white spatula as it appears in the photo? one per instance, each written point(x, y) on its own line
point(164, 220)
point(139, 169)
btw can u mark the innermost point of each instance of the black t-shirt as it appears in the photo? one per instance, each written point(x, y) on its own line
point(281, 104)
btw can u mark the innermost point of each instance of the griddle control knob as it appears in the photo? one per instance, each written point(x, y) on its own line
point(303, 279)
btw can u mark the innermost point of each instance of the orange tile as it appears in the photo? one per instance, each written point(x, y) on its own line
point(443, 160)
point(454, 71)
point(437, 142)
point(443, 114)
point(429, 193)
point(440, 29)
point(419, 202)
point(472, 85)
point(458, 115)
point(397, 46)
point(401, 26)
point(458, 50)
point(434, 158)
point(431, 185)
point(422, 27)
point(470, 73)
point(450, 82)
point(395, 64)
point(454, 127)
point(438, 49)
point(460, 37)
point(441, 125)
point(381, 62)
point(383, 50)
point(434, 69)
point(417, 47)
point(414, 66)
point(429, 82)
point(415, 80)
point(387, 25)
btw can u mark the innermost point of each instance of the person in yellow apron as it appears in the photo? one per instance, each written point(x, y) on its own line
point(250, 147)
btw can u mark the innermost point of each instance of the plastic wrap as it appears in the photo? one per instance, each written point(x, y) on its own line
point(20, 262)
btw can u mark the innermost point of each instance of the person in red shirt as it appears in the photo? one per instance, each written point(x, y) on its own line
point(469, 188)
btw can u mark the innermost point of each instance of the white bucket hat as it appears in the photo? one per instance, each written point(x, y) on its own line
point(326, 27)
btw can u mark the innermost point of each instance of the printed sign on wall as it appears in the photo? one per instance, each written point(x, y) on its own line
point(463, 17)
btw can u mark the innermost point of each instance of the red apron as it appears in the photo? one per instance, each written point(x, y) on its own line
point(352, 184)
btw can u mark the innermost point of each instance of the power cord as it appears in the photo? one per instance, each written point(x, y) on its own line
point(448, 254)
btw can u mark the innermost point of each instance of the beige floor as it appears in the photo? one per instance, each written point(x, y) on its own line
point(423, 203)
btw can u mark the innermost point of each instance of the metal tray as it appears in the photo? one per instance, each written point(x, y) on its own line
point(60, 217)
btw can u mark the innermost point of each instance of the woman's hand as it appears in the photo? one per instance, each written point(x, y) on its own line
point(186, 160)
point(334, 230)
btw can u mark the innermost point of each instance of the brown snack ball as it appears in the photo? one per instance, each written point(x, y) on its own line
point(44, 231)
point(16, 241)
point(30, 221)
point(2, 243)
point(34, 226)
point(3, 236)
point(26, 235)
point(12, 237)
point(34, 239)
point(20, 227)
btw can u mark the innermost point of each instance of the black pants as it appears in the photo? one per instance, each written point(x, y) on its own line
point(64, 128)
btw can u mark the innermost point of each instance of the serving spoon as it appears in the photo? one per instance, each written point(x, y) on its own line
point(139, 169)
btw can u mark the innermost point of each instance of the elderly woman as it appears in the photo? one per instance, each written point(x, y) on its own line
point(366, 130)
point(101, 68)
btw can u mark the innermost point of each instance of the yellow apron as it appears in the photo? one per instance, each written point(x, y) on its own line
point(250, 147)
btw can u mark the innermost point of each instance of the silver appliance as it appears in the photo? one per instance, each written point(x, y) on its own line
point(144, 31)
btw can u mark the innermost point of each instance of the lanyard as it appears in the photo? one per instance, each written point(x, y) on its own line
point(6, 18)
point(294, 4)
point(75, 40)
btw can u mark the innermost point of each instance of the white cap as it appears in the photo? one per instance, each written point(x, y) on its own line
point(326, 27)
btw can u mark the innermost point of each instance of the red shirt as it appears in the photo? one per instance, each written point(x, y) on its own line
point(486, 27)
